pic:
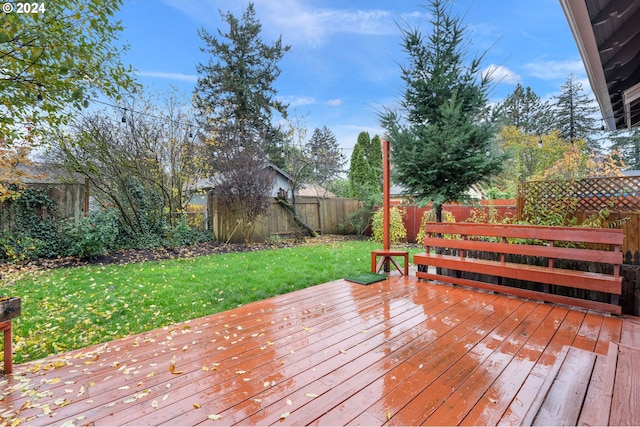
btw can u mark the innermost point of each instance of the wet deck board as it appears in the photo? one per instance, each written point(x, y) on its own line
point(401, 351)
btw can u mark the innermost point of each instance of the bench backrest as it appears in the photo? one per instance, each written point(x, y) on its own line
point(485, 254)
point(543, 241)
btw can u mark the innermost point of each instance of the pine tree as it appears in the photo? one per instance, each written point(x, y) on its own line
point(441, 144)
point(627, 144)
point(575, 114)
point(327, 157)
point(236, 99)
point(526, 111)
point(363, 178)
point(236, 87)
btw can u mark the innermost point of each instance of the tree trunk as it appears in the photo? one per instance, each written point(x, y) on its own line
point(438, 209)
point(296, 217)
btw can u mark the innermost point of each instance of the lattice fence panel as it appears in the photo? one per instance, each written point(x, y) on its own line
point(588, 194)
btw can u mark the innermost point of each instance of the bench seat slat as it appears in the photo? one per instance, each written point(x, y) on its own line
point(576, 254)
point(570, 278)
point(525, 293)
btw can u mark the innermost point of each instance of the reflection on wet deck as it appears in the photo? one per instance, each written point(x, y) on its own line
point(401, 352)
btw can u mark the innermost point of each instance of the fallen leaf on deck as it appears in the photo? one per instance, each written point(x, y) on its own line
point(388, 414)
point(154, 404)
point(311, 395)
point(289, 402)
point(196, 405)
point(285, 415)
point(493, 400)
point(165, 397)
point(214, 417)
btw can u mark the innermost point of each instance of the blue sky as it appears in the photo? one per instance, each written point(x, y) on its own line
point(343, 66)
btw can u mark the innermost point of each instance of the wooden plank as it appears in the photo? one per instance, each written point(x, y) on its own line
point(442, 336)
point(497, 399)
point(630, 333)
point(626, 393)
point(578, 254)
point(553, 276)
point(525, 293)
point(563, 334)
point(569, 234)
point(541, 395)
point(564, 400)
point(442, 378)
point(499, 351)
point(597, 403)
point(587, 335)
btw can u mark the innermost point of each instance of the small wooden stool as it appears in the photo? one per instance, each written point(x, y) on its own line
point(387, 256)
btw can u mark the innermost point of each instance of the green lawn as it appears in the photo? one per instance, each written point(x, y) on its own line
point(70, 308)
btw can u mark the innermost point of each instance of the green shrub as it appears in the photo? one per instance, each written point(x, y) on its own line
point(397, 231)
point(94, 235)
point(430, 216)
point(18, 247)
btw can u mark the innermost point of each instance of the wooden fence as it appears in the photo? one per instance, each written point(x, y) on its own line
point(325, 216)
point(498, 208)
point(583, 198)
point(71, 201)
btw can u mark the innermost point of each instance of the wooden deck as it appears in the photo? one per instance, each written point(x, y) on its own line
point(397, 352)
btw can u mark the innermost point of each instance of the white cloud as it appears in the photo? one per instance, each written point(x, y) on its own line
point(502, 74)
point(298, 101)
point(552, 70)
point(334, 102)
point(313, 26)
point(168, 76)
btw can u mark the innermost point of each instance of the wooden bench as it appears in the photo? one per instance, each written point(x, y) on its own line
point(9, 308)
point(512, 259)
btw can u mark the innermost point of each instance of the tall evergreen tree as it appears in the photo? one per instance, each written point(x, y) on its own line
point(575, 114)
point(236, 99)
point(627, 143)
point(374, 157)
point(328, 159)
point(363, 178)
point(441, 143)
point(526, 111)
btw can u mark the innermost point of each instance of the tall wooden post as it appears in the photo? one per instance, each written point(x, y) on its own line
point(386, 189)
point(386, 254)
